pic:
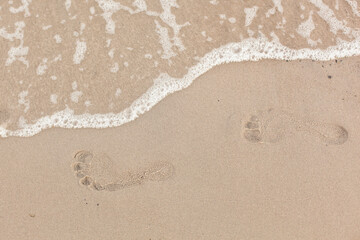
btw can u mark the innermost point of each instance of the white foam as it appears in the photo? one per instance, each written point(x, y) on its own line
point(109, 8)
point(203, 33)
point(165, 41)
point(148, 56)
point(118, 92)
point(92, 10)
point(75, 96)
point(74, 85)
point(250, 14)
point(277, 6)
point(53, 98)
point(87, 103)
point(82, 27)
point(305, 29)
point(46, 27)
point(40, 70)
point(23, 101)
point(111, 53)
point(169, 19)
point(354, 7)
point(140, 5)
point(79, 52)
point(57, 38)
point(67, 5)
point(57, 58)
point(232, 20)
point(23, 8)
point(280, 25)
point(248, 50)
point(114, 68)
point(16, 53)
point(329, 17)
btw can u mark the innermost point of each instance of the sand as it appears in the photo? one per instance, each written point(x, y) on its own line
point(253, 150)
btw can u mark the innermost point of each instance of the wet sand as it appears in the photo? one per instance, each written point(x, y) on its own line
point(261, 150)
point(96, 58)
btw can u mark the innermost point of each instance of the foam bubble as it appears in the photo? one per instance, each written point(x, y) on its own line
point(354, 7)
point(165, 41)
point(232, 20)
point(114, 68)
point(23, 8)
point(328, 16)
point(118, 92)
point(277, 6)
point(16, 53)
point(79, 52)
point(305, 29)
point(57, 38)
point(46, 27)
point(92, 10)
point(109, 7)
point(40, 70)
point(140, 4)
point(23, 101)
point(67, 5)
point(250, 15)
point(53, 98)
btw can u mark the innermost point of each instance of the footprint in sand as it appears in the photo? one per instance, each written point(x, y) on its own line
point(97, 172)
point(265, 127)
point(271, 126)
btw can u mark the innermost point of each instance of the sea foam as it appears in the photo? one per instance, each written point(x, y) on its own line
point(250, 49)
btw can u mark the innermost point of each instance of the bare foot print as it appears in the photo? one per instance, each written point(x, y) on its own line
point(98, 172)
point(331, 134)
point(265, 127)
point(271, 126)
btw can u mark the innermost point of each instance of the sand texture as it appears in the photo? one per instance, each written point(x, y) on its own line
point(264, 150)
point(91, 57)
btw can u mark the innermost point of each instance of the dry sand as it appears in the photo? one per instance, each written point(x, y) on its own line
point(265, 150)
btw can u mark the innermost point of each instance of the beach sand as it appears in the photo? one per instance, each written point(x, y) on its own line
point(252, 150)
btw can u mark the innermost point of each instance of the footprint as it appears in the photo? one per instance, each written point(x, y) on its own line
point(158, 171)
point(265, 127)
point(335, 134)
point(331, 134)
point(98, 172)
point(272, 125)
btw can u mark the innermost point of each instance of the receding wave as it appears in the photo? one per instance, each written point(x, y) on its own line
point(110, 63)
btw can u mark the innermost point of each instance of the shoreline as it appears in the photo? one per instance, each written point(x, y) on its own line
point(164, 85)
